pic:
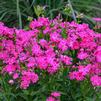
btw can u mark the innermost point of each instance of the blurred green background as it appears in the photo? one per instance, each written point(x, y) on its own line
point(16, 13)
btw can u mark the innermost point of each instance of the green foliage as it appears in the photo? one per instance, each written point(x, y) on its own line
point(70, 90)
point(17, 11)
point(39, 10)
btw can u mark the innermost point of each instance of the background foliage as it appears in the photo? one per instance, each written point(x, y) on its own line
point(17, 11)
point(70, 90)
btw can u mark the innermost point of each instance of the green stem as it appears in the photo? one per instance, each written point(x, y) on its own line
point(19, 14)
point(74, 17)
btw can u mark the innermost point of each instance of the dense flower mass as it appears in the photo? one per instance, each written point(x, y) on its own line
point(47, 46)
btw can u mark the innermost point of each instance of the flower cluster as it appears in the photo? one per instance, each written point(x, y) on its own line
point(54, 96)
point(49, 45)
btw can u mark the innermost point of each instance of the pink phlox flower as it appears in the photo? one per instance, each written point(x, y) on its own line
point(96, 80)
point(82, 55)
point(67, 60)
point(56, 94)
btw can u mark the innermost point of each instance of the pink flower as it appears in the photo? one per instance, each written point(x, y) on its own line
point(10, 68)
point(36, 50)
point(50, 53)
point(11, 82)
point(31, 62)
point(82, 55)
point(50, 99)
point(43, 43)
point(77, 75)
point(98, 54)
point(53, 68)
point(67, 60)
point(34, 77)
point(96, 80)
point(34, 24)
point(42, 62)
point(97, 19)
point(85, 69)
point(15, 76)
point(63, 45)
point(25, 83)
point(27, 78)
point(75, 45)
point(56, 94)
point(72, 75)
point(46, 30)
point(80, 76)
point(23, 56)
point(39, 23)
point(98, 57)
point(55, 37)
